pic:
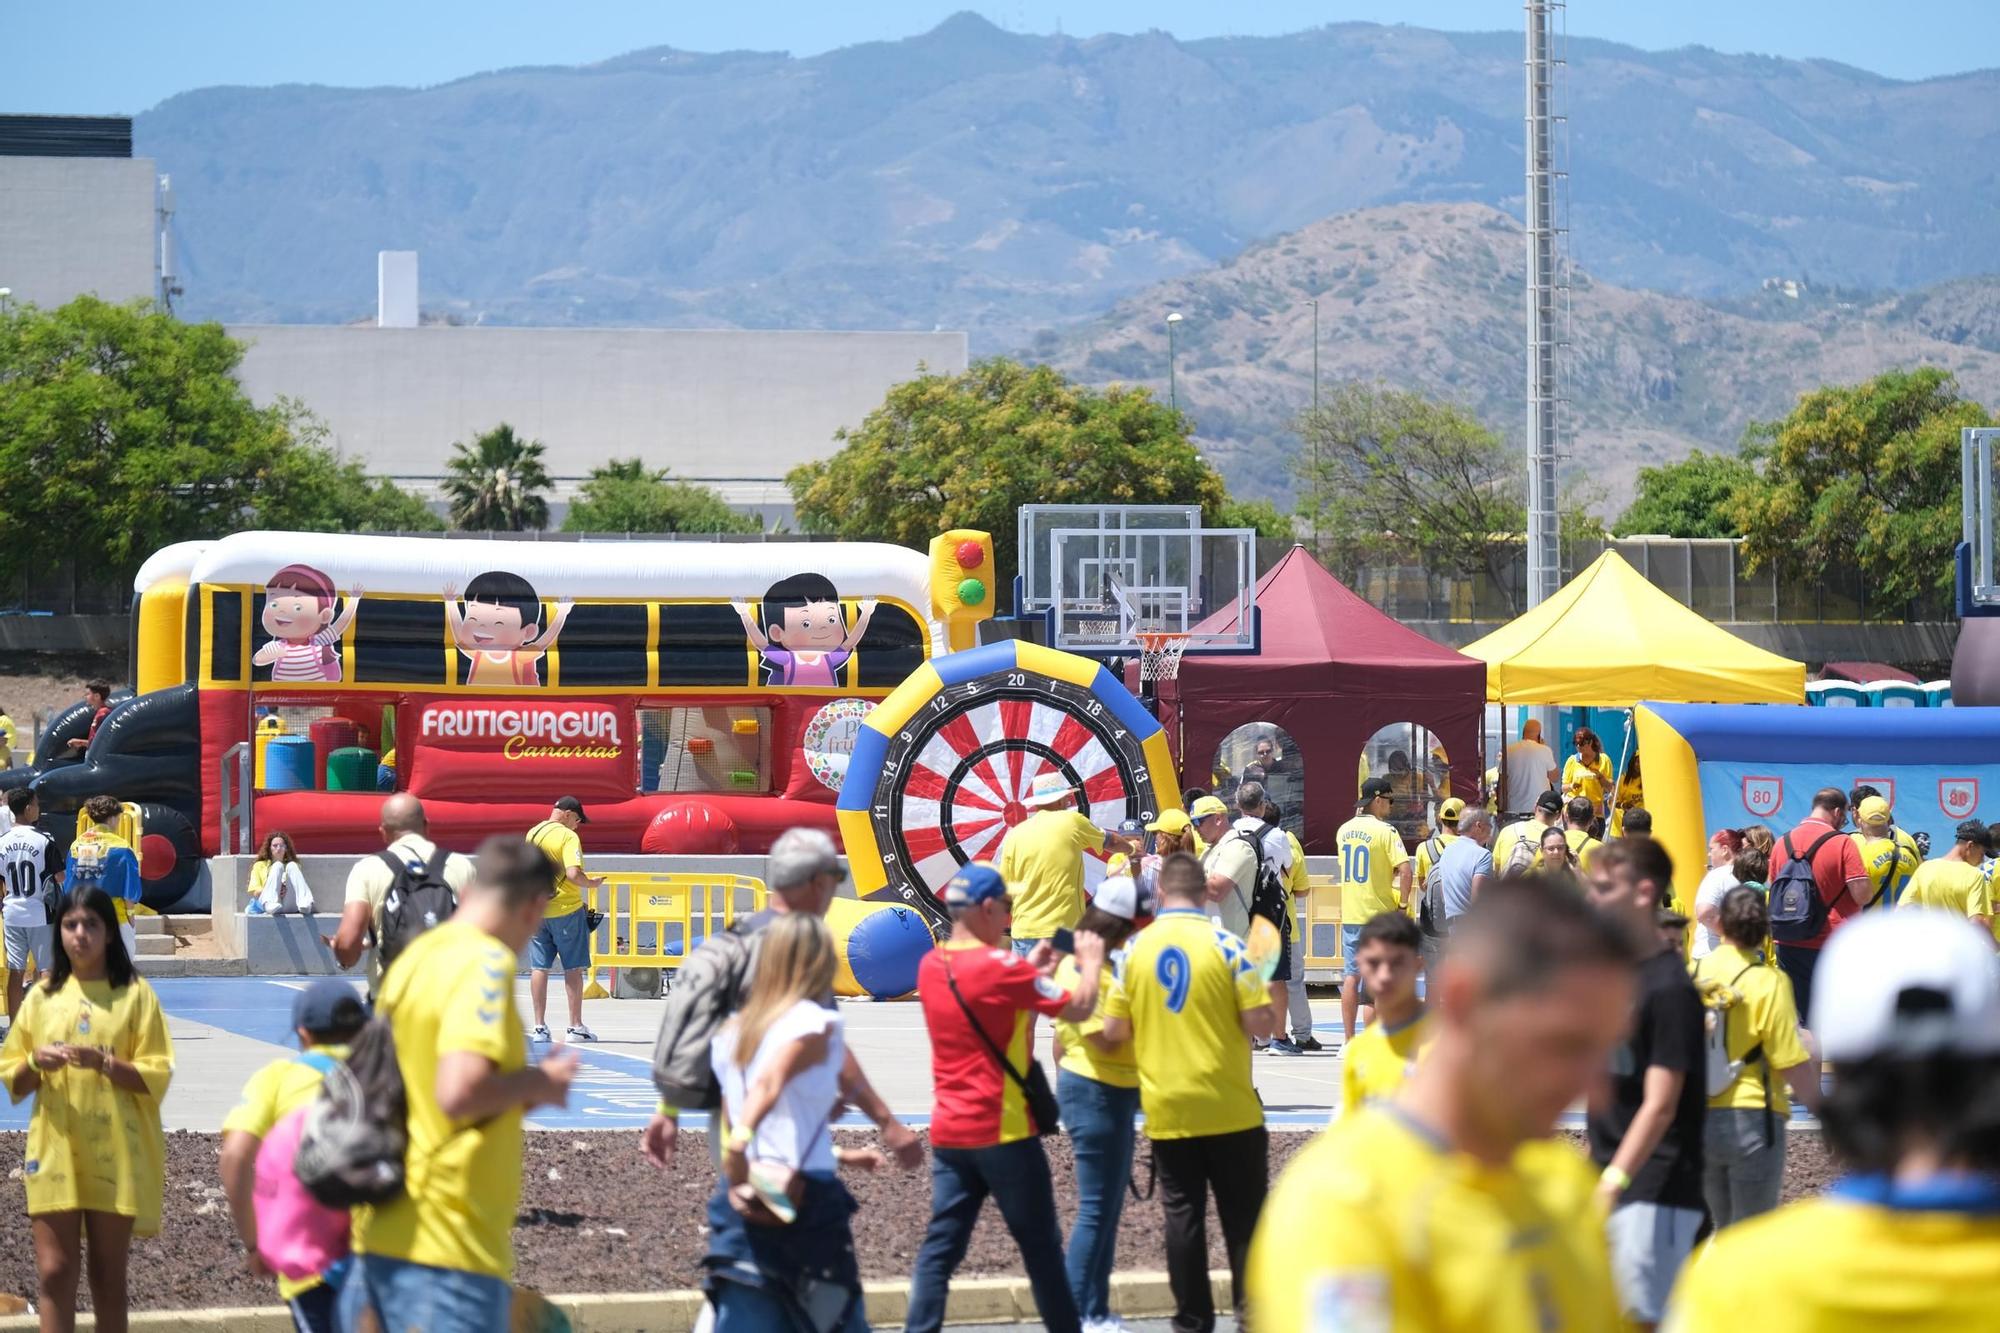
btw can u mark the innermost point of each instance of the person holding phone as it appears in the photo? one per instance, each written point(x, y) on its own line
point(780, 1247)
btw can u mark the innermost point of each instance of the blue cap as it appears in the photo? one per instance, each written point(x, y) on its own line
point(973, 884)
point(328, 1005)
point(1135, 827)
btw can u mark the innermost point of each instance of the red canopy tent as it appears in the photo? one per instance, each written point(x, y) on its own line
point(1331, 670)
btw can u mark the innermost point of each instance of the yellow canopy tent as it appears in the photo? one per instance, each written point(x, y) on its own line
point(1609, 639)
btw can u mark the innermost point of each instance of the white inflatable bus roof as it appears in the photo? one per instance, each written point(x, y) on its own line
point(635, 570)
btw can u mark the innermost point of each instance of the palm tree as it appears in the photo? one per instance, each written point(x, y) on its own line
point(497, 483)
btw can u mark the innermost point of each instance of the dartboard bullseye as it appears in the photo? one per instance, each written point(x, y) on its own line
point(942, 767)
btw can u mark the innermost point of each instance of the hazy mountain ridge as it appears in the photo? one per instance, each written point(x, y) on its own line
point(1007, 183)
point(1429, 296)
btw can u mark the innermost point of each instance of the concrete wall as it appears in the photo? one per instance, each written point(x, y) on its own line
point(710, 405)
point(72, 225)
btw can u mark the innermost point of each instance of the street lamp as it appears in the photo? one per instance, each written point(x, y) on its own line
point(1173, 397)
point(5, 294)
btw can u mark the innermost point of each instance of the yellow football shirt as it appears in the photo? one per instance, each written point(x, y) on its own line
point(93, 1145)
point(1590, 781)
point(1764, 1014)
point(1369, 850)
point(1185, 985)
point(1950, 885)
point(452, 990)
point(1298, 884)
point(1378, 1226)
point(1116, 1067)
point(565, 849)
point(1376, 1062)
point(1041, 858)
point(1503, 842)
point(1874, 1268)
point(1582, 846)
point(1889, 862)
point(274, 1092)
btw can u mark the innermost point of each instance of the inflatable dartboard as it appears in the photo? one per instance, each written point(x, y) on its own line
point(941, 768)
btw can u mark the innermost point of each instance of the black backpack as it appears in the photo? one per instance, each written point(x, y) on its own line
point(1798, 910)
point(418, 898)
point(1268, 894)
point(355, 1134)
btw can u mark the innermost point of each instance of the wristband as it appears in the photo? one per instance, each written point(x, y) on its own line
point(740, 1136)
point(667, 1112)
point(1615, 1176)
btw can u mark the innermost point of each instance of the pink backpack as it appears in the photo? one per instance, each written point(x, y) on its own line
point(297, 1235)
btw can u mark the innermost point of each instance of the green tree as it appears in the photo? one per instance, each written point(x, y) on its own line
point(1862, 477)
point(498, 483)
point(123, 429)
point(1269, 521)
point(307, 489)
point(968, 450)
point(625, 495)
point(1695, 497)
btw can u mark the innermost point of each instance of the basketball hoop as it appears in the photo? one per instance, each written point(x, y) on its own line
point(1097, 629)
point(1160, 654)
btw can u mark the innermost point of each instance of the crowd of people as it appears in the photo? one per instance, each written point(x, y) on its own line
point(1486, 990)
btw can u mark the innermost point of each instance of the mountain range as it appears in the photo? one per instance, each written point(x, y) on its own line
point(1428, 296)
point(1004, 183)
point(1736, 220)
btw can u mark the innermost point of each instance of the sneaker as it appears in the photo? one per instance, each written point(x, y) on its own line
point(541, 1033)
point(1112, 1325)
point(1282, 1046)
point(579, 1034)
point(1308, 1043)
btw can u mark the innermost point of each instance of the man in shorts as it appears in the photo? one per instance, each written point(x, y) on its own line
point(1374, 878)
point(565, 931)
point(30, 869)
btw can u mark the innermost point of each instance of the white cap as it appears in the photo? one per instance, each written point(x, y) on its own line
point(1122, 897)
point(1908, 982)
point(1047, 789)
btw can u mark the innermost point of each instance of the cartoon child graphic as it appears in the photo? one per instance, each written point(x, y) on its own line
point(500, 629)
point(804, 637)
point(305, 634)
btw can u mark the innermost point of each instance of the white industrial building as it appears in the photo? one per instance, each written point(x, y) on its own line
point(78, 213)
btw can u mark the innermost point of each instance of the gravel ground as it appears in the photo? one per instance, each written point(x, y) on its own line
point(596, 1217)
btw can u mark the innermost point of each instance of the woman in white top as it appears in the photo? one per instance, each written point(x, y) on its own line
point(278, 881)
point(1720, 879)
point(778, 1063)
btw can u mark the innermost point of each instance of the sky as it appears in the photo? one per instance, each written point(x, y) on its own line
point(123, 56)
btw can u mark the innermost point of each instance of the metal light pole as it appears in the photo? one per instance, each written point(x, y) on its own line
point(1544, 547)
point(1314, 303)
point(1173, 396)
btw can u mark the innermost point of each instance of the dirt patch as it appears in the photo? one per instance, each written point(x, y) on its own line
point(596, 1217)
point(36, 687)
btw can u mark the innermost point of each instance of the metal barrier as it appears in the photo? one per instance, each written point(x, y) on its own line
point(1319, 923)
point(655, 919)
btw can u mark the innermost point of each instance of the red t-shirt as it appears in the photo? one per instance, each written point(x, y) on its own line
point(97, 720)
point(1837, 862)
point(978, 1106)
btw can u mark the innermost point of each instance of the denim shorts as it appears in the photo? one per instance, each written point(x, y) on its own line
point(1649, 1244)
point(404, 1296)
point(566, 937)
point(1350, 945)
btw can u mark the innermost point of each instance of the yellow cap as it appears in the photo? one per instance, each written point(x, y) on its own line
point(1208, 805)
point(1174, 822)
point(1450, 809)
point(1872, 810)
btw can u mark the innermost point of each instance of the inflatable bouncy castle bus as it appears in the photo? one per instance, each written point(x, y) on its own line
point(698, 697)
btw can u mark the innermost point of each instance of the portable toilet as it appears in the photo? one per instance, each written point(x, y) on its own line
point(1937, 693)
point(1896, 693)
point(1838, 694)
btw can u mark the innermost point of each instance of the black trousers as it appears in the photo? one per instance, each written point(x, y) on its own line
point(1236, 1168)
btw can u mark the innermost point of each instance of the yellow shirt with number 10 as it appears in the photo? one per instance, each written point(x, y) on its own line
point(1369, 851)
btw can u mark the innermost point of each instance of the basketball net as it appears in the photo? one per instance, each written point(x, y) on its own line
point(1160, 654)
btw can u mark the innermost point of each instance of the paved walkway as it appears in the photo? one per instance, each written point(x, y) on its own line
point(225, 1028)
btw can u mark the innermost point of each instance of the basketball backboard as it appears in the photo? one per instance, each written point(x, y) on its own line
point(1979, 592)
point(1107, 587)
point(1035, 587)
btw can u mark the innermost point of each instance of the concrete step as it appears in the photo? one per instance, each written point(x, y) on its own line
point(155, 946)
point(192, 967)
point(144, 924)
